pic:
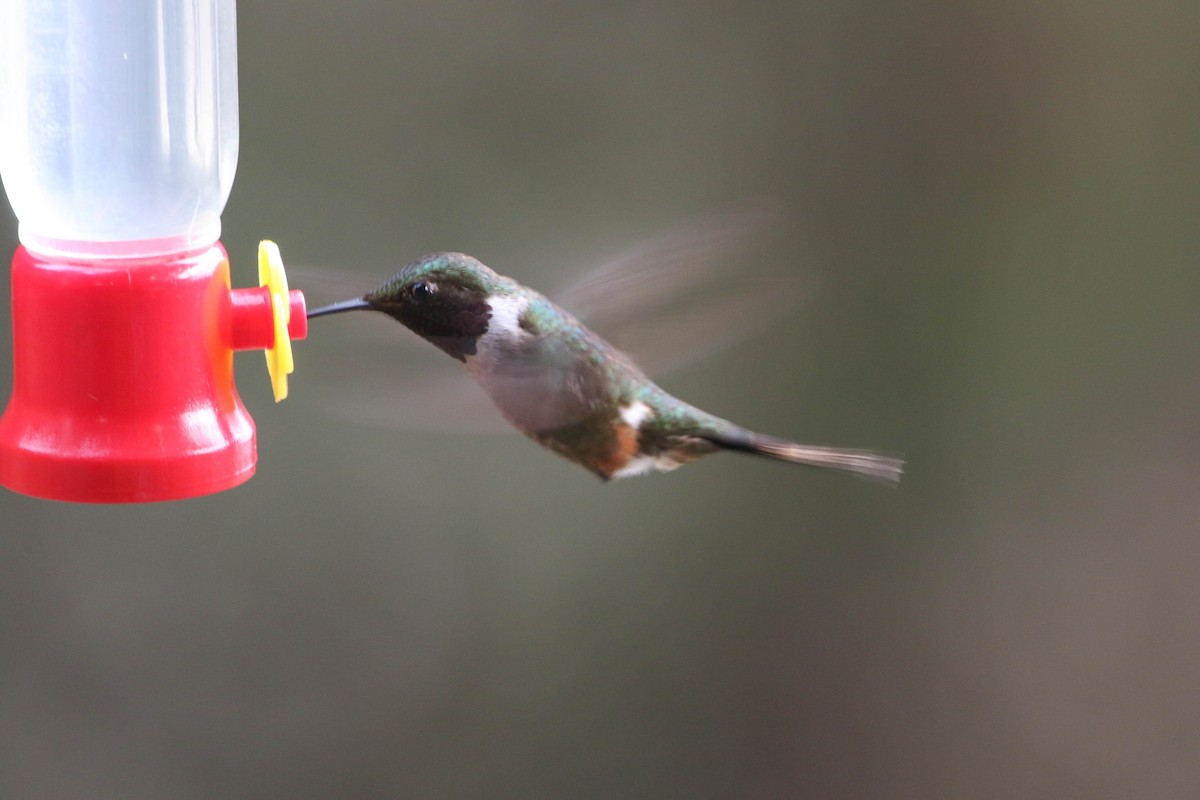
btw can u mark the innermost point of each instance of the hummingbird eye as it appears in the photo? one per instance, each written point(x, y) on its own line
point(421, 291)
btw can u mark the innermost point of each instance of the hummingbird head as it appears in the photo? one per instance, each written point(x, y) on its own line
point(442, 297)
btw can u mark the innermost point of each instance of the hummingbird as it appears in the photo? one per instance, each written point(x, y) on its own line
point(564, 386)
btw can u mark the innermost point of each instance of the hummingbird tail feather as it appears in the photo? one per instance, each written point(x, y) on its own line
point(879, 467)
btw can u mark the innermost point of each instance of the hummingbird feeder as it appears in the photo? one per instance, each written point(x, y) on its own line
point(118, 145)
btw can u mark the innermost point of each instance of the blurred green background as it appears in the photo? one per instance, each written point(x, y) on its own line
point(997, 204)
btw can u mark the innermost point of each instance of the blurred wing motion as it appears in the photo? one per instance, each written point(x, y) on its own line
point(671, 300)
point(686, 293)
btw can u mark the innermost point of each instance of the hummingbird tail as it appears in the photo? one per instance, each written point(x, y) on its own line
point(879, 467)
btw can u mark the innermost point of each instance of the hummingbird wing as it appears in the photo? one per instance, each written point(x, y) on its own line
point(687, 292)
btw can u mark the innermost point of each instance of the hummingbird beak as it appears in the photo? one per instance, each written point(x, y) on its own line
point(337, 308)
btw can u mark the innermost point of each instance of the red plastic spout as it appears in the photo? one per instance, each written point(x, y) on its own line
point(123, 386)
point(253, 327)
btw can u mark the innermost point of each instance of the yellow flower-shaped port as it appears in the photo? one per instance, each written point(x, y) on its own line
point(279, 355)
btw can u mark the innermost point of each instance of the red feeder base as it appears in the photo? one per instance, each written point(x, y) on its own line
point(123, 384)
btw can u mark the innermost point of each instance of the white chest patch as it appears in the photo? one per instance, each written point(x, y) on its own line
point(503, 336)
point(506, 316)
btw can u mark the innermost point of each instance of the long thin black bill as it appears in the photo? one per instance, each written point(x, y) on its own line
point(337, 308)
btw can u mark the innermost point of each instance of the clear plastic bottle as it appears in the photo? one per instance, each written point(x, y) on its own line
point(118, 123)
